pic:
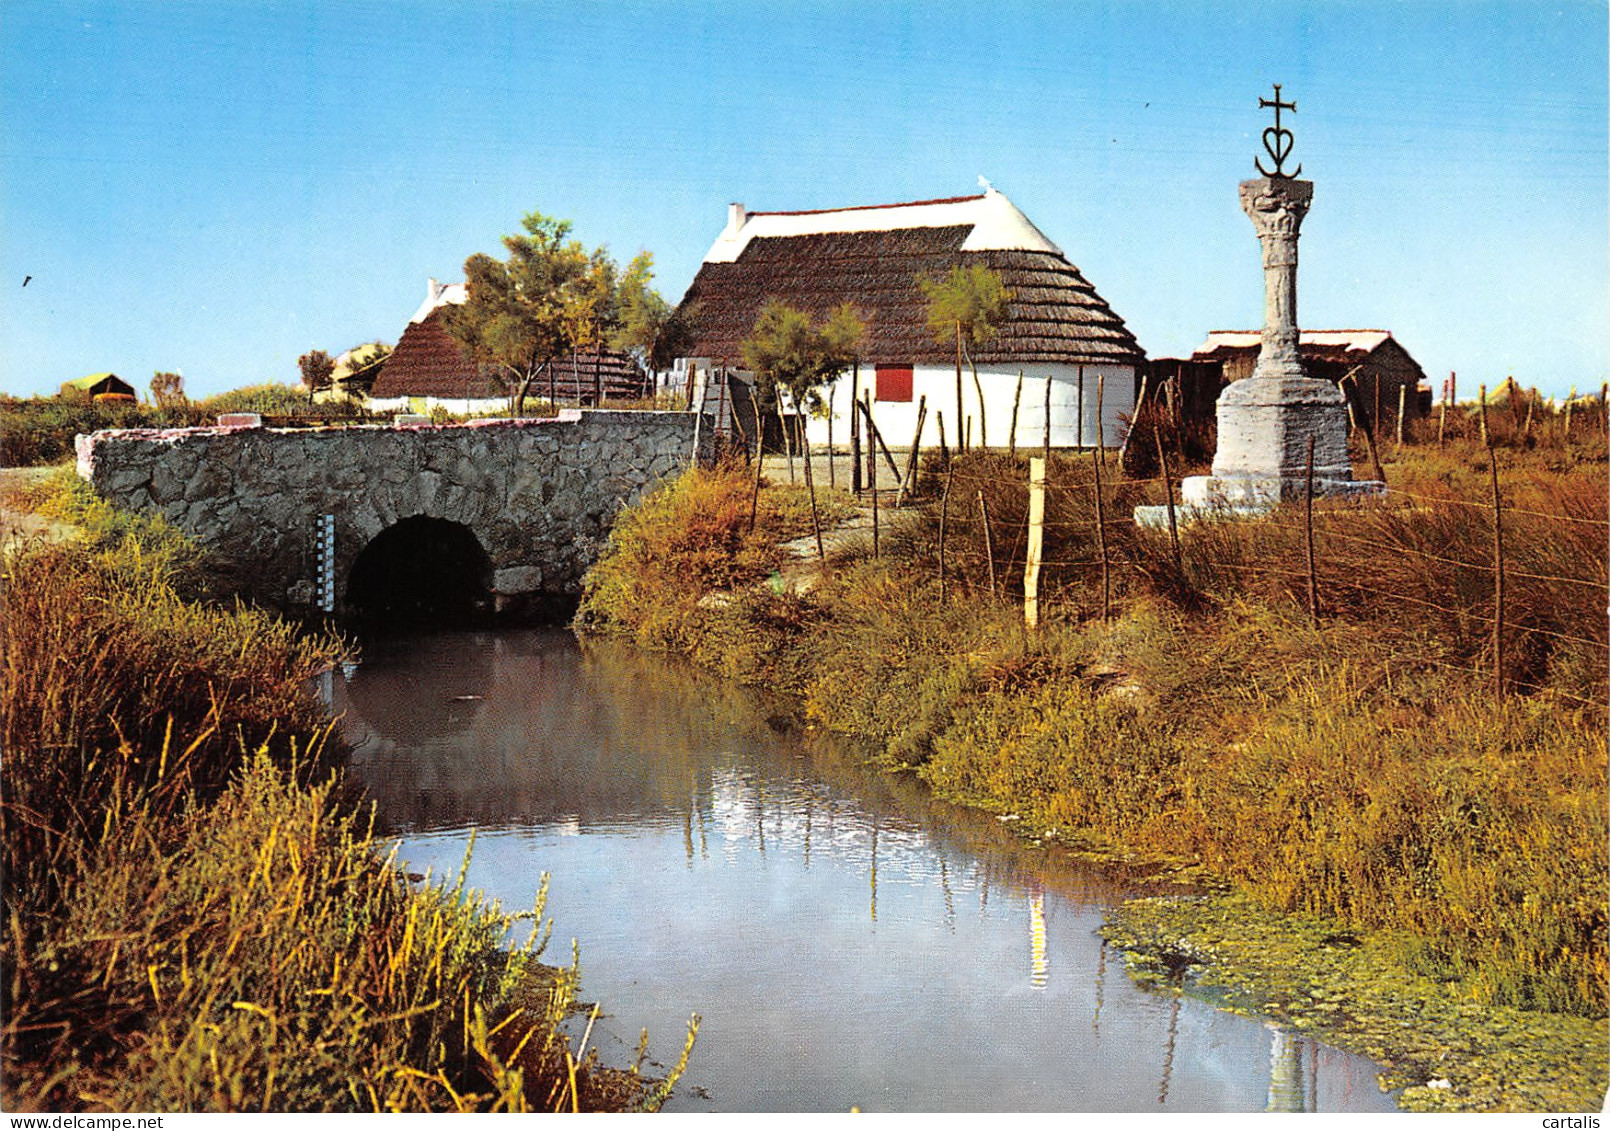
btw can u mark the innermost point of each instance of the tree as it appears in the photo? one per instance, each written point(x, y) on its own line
point(550, 298)
point(970, 303)
point(788, 351)
point(167, 390)
point(648, 329)
point(317, 367)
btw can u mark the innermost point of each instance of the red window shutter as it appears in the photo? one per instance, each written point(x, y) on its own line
point(894, 382)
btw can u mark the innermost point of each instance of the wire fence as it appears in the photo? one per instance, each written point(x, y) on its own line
point(1507, 582)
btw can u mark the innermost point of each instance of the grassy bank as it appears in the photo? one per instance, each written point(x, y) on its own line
point(197, 916)
point(1355, 771)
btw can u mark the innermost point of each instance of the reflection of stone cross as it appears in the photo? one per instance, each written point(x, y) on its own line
point(1277, 142)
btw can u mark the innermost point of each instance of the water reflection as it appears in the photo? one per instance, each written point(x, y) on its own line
point(849, 940)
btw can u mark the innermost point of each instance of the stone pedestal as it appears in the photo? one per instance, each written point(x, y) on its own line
point(1266, 420)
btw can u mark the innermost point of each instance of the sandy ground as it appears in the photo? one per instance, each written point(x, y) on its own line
point(777, 470)
point(18, 525)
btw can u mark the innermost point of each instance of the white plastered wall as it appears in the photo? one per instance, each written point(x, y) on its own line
point(897, 420)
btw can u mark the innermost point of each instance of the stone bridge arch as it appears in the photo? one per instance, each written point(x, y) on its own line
point(289, 512)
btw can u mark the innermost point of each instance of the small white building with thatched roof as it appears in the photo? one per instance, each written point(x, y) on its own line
point(1061, 337)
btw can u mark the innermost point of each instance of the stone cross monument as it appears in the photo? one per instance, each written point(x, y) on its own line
point(1266, 420)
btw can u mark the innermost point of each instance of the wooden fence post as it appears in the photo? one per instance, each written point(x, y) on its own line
point(1079, 415)
point(870, 476)
point(1031, 566)
point(944, 451)
point(877, 551)
point(1101, 541)
point(989, 541)
point(1570, 402)
point(1368, 429)
point(1045, 452)
point(944, 515)
point(1486, 441)
point(832, 478)
point(1375, 412)
point(1101, 439)
point(721, 401)
point(1442, 419)
point(875, 444)
point(855, 427)
point(1011, 436)
point(760, 454)
point(1134, 419)
point(1531, 406)
point(961, 408)
point(1498, 578)
point(1403, 411)
point(810, 488)
point(908, 482)
point(1168, 494)
point(1308, 534)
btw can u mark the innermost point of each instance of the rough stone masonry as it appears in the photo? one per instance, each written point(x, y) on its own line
point(539, 494)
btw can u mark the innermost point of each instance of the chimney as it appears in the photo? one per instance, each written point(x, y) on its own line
point(433, 290)
point(736, 218)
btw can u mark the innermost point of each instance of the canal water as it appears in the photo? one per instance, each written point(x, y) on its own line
point(848, 940)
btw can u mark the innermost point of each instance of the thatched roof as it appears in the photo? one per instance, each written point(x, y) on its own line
point(429, 362)
point(872, 257)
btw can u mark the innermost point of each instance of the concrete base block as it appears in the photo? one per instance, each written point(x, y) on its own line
point(1265, 425)
point(1248, 496)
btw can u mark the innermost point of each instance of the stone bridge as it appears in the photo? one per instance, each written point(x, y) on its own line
point(383, 520)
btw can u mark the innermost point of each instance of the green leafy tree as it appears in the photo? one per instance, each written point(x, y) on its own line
point(548, 299)
point(648, 329)
point(969, 304)
point(167, 390)
point(787, 351)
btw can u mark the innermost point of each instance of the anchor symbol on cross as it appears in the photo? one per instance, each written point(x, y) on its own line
point(1277, 142)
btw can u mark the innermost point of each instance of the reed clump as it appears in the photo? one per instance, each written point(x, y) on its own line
point(195, 917)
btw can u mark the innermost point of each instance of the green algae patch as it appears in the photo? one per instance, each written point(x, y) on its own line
point(1353, 990)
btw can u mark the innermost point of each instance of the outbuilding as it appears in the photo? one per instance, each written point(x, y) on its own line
point(1378, 364)
point(1060, 335)
point(99, 387)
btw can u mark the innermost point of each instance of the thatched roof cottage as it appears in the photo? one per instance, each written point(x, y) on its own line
point(1060, 330)
point(429, 369)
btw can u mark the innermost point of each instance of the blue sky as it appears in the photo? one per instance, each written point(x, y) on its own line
point(219, 187)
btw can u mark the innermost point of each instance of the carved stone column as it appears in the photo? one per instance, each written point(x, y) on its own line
point(1266, 420)
point(1277, 206)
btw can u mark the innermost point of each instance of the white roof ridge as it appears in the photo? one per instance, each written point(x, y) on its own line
point(996, 224)
point(438, 294)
